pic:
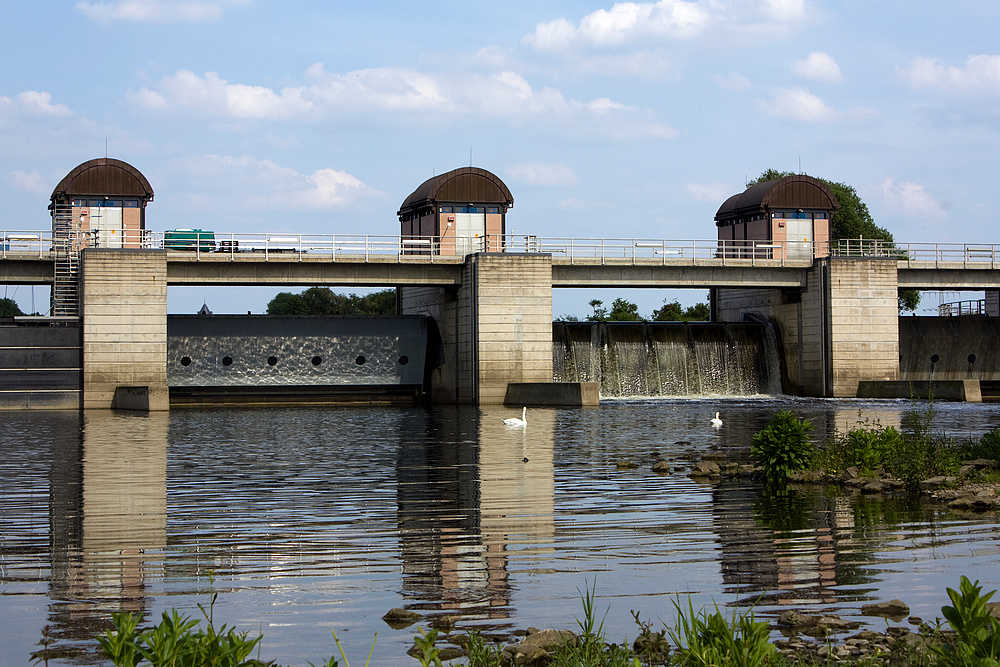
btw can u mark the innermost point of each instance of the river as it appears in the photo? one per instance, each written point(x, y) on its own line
point(317, 519)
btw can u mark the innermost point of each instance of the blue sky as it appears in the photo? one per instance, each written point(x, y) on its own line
point(632, 120)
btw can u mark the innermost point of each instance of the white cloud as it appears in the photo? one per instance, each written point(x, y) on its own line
point(394, 92)
point(253, 183)
point(625, 21)
point(28, 181)
point(157, 11)
point(732, 82)
point(798, 104)
point(710, 192)
point(980, 74)
point(819, 66)
point(912, 199)
point(629, 22)
point(785, 10)
point(34, 103)
point(543, 174)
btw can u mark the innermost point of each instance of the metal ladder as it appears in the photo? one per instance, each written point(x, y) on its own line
point(66, 239)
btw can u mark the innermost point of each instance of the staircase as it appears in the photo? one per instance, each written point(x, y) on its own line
point(66, 241)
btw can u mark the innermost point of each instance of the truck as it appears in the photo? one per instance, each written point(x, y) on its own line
point(189, 239)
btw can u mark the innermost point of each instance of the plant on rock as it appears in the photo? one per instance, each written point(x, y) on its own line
point(782, 447)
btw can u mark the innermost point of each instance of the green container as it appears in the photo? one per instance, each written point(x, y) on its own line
point(189, 239)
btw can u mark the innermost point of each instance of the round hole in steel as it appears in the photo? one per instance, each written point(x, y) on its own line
point(185, 361)
point(972, 358)
point(317, 360)
point(403, 360)
point(934, 358)
point(227, 361)
point(272, 360)
point(360, 361)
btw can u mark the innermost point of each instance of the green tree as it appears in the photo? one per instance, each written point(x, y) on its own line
point(624, 311)
point(9, 308)
point(600, 314)
point(674, 312)
point(323, 301)
point(852, 220)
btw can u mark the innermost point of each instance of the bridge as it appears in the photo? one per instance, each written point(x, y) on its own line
point(493, 305)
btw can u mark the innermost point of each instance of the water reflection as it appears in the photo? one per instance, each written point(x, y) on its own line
point(315, 518)
point(108, 519)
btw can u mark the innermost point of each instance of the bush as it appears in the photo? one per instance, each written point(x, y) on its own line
point(782, 447)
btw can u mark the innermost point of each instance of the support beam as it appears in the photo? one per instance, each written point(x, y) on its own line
point(124, 308)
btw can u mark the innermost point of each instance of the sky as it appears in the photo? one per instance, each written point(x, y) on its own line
point(624, 120)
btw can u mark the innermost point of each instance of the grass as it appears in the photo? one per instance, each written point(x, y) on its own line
point(697, 638)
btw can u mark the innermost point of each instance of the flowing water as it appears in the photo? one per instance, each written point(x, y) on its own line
point(320, 519)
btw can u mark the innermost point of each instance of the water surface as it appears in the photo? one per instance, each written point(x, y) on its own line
point(320, 519)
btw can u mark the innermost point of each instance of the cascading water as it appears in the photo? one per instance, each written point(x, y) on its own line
point(668, 359)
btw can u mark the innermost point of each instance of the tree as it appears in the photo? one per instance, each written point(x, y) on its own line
point(600, 314)
point(852, 220)
point(674, 312)
point(9, 308)
point(624, 311)
point(323, 301)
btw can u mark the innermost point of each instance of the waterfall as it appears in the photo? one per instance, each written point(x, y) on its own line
point(668, 358)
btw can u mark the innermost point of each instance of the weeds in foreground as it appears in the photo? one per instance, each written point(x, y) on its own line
point(710, 639)
point(978, 632)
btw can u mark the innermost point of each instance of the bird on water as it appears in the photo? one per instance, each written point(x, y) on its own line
point(514, 421)
point(716, 421)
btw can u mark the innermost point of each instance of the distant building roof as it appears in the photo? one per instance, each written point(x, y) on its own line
point(204, 310)
point(104, 177)
point(470, 185)
point(796, 191)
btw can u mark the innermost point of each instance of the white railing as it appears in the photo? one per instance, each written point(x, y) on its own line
point(960, 308)
point(198, 244)
point(923, 255)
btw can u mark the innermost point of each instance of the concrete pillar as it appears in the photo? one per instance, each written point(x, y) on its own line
point(124, 309)
point(993, 302)
point(495, 328)
point(863, 323)
point(840, 329)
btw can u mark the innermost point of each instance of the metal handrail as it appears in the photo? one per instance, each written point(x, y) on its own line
point(19, 243)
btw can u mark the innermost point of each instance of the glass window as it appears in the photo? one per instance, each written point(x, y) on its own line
point(492, 209)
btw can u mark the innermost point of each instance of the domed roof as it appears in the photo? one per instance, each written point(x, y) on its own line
point(104, 177)
point(470, 185)
point(796, 191)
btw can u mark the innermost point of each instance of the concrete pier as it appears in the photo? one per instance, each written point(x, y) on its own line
point(124, 309)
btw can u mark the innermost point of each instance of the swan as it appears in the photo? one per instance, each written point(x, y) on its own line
point(716, 421)
point(514, 421)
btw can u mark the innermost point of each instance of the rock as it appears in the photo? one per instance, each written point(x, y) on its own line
point(705, 469)
point(653, 642)
point(974, 503)
point(892, 608)
point(397, 618)
point(548, 640)
point(935, 483)
point(850, 473)
point(980, 463)
point(661, 466)
point(626, 465)
point(807, 476)
point(796, 619)
point(837, 624)
point(445, 623)
point(876, 486)
point(447, 653)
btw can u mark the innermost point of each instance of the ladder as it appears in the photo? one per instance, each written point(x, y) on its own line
point(66, 241)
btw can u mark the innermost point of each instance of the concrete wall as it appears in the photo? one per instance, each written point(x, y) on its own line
point(512, 321)
point(864, 331)
point(495, 329)
point(839, 329)
point(39, 367)
point(124, 308)
point(949, 348)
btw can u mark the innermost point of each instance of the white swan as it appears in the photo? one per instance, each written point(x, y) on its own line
point(514, 421)
point(716, 421)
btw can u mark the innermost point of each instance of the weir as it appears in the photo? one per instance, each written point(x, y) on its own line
point(668, 358)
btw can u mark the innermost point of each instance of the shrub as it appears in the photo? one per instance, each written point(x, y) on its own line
point(977, 632)
point(782, 447)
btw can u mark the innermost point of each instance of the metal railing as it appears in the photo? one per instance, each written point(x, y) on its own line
point(923, 255)
point(960, 308)
point(198, 244)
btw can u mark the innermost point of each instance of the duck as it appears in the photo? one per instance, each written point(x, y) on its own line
point(716, 421)
point(514, 421)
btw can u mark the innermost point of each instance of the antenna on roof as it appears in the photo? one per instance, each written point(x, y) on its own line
point(800, 164)
point(105, 147)
point(470, 156)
